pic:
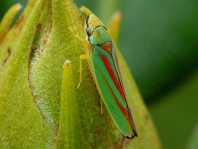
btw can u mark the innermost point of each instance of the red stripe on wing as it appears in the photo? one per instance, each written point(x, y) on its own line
point(116, 82)
point(124, 111)
point(112, 74)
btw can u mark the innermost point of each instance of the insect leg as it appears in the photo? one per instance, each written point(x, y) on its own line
point(82, 57)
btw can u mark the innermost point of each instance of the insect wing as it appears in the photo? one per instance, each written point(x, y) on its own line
point(110, 88)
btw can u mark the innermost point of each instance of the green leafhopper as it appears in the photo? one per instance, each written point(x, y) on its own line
point(106, 72)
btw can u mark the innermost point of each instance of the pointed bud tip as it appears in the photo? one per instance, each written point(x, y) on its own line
point(67, 63)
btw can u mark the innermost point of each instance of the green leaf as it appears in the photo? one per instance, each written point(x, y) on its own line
point(21, 124)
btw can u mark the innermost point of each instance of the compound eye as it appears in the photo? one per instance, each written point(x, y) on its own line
point(88, 30)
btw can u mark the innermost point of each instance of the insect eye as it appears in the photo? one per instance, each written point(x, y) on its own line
point(88, 30)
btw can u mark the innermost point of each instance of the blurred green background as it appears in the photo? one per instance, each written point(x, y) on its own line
point(159, 40)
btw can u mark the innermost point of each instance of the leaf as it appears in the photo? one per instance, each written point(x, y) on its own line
point(21, 124)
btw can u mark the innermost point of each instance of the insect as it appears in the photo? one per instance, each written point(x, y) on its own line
point(105, 69)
